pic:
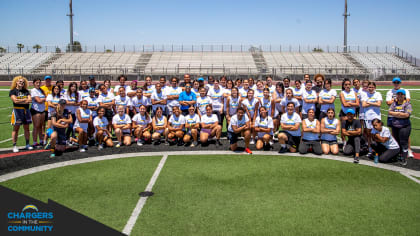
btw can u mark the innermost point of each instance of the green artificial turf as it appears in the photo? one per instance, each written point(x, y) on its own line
point(278, 195)
point(106, 191)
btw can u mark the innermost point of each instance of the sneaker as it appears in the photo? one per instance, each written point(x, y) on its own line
point(29, 147)
point(195, 143)
point(252, 142)
point(15, 149)
point(52, 155)
point(218, 142)
point(283, 150)
point(410, 153)
point(139, 143)
point(404, 161)
point(166, 142)
point(192, 145)
point(100, 147)
point(271, 143)
point(247, 150)
point(118, 145)
point(82, 150)
point(356, 160)
point(370, 155)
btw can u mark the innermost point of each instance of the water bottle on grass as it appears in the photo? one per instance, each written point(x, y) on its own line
point(376, 158)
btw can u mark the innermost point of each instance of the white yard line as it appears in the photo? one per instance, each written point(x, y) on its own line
point(9, 139)
point(411, 177)
point(142, 201)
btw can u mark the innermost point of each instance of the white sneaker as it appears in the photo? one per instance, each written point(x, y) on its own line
point(410, 153)
point(29, 147)
point(82, 150)
point(139, 143)
point(252, 142)
point(15, 149)
point(100, 147)
point(271, 143)
point(118, 145)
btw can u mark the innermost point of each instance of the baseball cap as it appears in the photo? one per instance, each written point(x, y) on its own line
point(47, 77)
point(350, 111)
point(62, 101)
point(396, 79)
point(91, 89)
point(401, 91)
point(200, 79)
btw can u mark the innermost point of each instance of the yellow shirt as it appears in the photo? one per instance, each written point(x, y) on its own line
point(47, 91)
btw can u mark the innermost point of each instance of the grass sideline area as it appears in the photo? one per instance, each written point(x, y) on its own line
point(106, 191)
point(6, 107)
point(235, 195)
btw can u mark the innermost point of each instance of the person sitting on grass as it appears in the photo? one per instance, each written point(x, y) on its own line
point(311, 130)
point(102, 134)
point(122, 126)
point(176, 125)
point(239, 125)
point(264, 128)
point(60, 120)
point(384, 144)
point(290, 124)
point(352, 129)
point(142, 124)
point(159, 124)
point(192, 126)
point(210, 126)
point(330, 128)
point(83, 118)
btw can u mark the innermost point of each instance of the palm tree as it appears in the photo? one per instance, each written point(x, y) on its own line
point(37, 47)
point(20, 46)
point(2, 50)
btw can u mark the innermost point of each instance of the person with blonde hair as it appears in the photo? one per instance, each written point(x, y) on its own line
point(21, 115)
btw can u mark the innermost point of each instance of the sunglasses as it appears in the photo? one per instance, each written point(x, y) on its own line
point(396, 82)
point(187, 86)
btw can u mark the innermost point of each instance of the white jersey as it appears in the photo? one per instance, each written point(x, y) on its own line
point(121, 101)
point(272, 88)
point(102, 123)
point(250, 105)
point(92, 102)
point(158, 97)
point(385, 133)
point(349, 97)
point(209, 119)
point(267, 104)
point(149, 90)
point(238, 123)
point(309, 95)
point(229, 92)
point(266, 122)
point(160, 122)
point(171, 91)
point(259, 94)
point(202, 102)
point(291, 120)
point(106, 98)
point(176, 122)
point(361, 109)
point(192, 119)
point(285, 101)
point(85, 114)
point(136, 102)
point(141, 120)
point(243, 92)
point(309, 135)
point(71, 98)
point(298, 92)
point(330, 124)
point(117, 88)
point(35, 105)
point(233, 105)
point(53, 100)
point(196, 92)
point(372, 112)
point(327, 95)
point(121, 120)
point(216, 97)
point(83, 94)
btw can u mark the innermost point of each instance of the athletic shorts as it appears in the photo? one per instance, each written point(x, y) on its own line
point(126, 133)
point(208, 131)
point(189, 132)
point(329, 142)
point(368, 124)
point(233, 137)
point(34, 112)
point(21, 116)
point(292, 141)
point(45, 115)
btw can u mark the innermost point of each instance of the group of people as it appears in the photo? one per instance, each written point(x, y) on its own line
point(301, 118)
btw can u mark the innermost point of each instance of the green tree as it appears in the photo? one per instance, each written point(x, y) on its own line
point(317, 50)
point(108, 50)
point(77, 47)
point(2, 50)
point(57, 50)
point(37, 47)
point(20, 46)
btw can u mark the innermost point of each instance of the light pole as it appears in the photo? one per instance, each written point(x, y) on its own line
point(71, 25)
point(345, 26)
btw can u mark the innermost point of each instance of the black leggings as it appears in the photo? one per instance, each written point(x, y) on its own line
point(305, 144)
point(385, 155)
point(70, 131)
point(352, 146)
point(401, 135)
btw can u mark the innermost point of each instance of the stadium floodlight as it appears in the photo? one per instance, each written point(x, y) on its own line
point(70, 15)
point(345, 25)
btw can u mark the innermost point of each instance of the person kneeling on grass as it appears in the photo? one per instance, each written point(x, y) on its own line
point(83, 118)
point(210, 126)
point(239, 125)
point(330, 128)
point(60, 120)
point(176, 125)
point(192, 125)
point(102, 134)
point(384, 143)
point(311, 129)
point(290, 124)
point(122, 126)
point(264, 128)
point(159, 124)
point(352, 129)
point(142, 124)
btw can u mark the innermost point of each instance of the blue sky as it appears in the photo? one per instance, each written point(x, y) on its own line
point(129, 22)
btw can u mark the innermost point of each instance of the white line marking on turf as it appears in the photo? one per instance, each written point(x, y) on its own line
point(9, 139)
point(411, 177)
point(142, 201)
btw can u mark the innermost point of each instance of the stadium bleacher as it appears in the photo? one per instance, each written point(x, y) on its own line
point(386, 62)
point(22, 63)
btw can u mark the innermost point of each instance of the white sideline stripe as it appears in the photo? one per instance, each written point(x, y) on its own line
point(9, 139)
point(411, 177)
point(142, 201)
point(412, 116)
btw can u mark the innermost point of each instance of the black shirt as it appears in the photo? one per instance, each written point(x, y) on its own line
point(66, 115)
point(21, 94)
point(352, 126)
